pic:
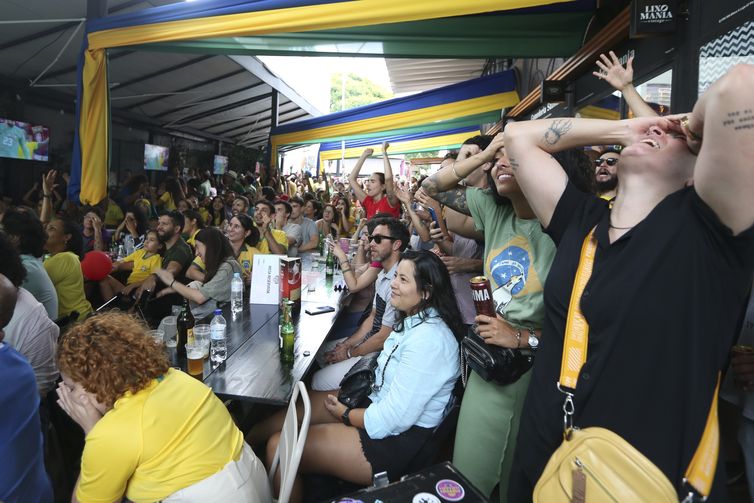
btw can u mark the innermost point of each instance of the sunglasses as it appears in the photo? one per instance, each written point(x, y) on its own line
point(611, 161)
point(377, 238)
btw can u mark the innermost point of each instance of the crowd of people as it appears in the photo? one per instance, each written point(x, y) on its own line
point(663, 203)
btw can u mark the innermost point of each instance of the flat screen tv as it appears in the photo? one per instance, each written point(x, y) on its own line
point(220, 165)
point(156, 157)
point(21, 140)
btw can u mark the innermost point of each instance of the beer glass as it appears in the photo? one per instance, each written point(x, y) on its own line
point(202, 336)
point(195, 358)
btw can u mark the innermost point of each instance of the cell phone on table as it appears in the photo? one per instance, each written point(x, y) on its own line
point(320, 310)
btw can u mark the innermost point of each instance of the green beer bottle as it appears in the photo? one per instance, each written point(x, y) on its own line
point(287, 333)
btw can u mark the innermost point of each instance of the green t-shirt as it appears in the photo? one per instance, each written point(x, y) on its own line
point(517, 258)
point(180, 252)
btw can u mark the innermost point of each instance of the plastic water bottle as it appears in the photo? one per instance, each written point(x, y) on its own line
point(129, 243)
point(236, 293)
point(218, 349)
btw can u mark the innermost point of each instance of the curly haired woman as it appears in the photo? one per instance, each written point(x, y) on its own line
point(152, 433)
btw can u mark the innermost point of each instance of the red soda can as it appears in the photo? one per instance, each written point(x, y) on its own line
point(482, 295)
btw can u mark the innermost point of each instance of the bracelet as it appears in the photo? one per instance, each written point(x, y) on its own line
point(348, 353)
point(518, 339)
point(345, 270)
point(171, 283)
point(453, 168)
point(47, 196)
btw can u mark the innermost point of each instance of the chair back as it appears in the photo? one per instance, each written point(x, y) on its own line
point(291, 445)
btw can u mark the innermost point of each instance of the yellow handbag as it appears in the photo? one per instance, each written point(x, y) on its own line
point(595, 465)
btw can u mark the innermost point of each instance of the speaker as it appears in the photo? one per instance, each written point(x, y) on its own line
point(553, 91)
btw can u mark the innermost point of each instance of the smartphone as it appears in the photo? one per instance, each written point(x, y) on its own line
point(434, 215)
point(320, 310)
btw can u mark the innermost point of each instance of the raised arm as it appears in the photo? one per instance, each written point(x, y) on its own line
point(622, 80)
point(443, 186)
point(353, 176)
point(389, 182)
point(421, 229)
point(723, 176)
point(48, 185)
point(529, 144)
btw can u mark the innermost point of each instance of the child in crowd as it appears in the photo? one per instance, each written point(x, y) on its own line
point(141, 263)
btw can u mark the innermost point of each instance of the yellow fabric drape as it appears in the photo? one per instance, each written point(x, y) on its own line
point(94, 117)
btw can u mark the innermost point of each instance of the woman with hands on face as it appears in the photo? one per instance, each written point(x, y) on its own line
point(414, 380)
point(152, 433)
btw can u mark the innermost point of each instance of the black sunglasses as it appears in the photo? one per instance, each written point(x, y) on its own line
point(611, 161)
point(377, 238)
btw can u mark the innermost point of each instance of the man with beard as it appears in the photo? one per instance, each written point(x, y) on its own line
point(386, 244)
point(606, 173)
point(177, 256)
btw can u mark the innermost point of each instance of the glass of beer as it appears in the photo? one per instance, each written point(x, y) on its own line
point(195, 358)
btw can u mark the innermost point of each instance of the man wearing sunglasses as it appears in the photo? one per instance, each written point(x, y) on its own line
point(606, 173)
point(388, 239)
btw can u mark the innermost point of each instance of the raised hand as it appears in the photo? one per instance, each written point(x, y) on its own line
point(613, 72)
point(48, 182)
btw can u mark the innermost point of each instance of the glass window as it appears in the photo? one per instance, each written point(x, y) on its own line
point(717, 56)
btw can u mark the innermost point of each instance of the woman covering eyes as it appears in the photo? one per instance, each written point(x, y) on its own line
point(152, 433)
point(414, 380)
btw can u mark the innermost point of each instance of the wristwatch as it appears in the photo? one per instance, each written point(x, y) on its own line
point(533, 341)
point(345, 418)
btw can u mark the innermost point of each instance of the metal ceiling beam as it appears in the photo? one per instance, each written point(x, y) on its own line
point(251, 121)
point(71, 69)
point(37, 35)
point(256, 67)
point(213, 98)
point(162, 71)
point(224, 108)
point(189, 88)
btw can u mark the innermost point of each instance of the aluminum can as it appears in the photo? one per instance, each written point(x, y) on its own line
point(482, 295)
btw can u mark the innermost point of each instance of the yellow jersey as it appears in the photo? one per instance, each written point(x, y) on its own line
point(64, 269)
point(143, 265)
point(152, 443)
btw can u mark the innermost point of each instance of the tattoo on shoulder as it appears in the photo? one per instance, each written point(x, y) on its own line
point(739, 119)
point(455, 198)
point(557, 130)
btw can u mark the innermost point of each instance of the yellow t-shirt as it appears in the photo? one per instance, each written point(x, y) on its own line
point(206, 217)
point(264, 247)
point(191, 241)
point(113, 215)
point(167, 201)
point(143, 266)
point(64, 269)
point(166, 437)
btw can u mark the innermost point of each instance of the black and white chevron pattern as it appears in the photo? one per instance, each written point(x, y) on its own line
point(719, 55)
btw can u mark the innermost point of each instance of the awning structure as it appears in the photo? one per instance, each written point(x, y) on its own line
point(236, 19)
point(469, 103)
point(399, 144)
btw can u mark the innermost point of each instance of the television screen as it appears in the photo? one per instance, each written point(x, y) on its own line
point(20, 140)
point(156, 157)
point(221, 165)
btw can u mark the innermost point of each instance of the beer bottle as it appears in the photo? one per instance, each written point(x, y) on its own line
point(287, 333)
point(185, 326)
point(329, 264)
point(321, 243)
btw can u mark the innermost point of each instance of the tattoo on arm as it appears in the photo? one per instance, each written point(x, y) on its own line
point(739, 119)
point(557, 130)
point(514, 163)
point(430, 185)
point(455, 198)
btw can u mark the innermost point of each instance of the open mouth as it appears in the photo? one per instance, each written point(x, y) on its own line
point(603, 172)
point(503, 177)
point(652, 143)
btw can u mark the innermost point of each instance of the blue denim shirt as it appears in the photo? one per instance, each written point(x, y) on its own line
point(419, 378)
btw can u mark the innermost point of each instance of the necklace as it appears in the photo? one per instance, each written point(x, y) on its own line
point(620, 228)
point(377, 387)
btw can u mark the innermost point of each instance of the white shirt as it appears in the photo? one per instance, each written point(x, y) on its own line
point(35, 336)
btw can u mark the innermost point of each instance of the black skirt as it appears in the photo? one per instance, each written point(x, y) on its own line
point(394, 454)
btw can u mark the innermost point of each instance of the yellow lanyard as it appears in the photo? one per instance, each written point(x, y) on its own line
point(701, 469)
